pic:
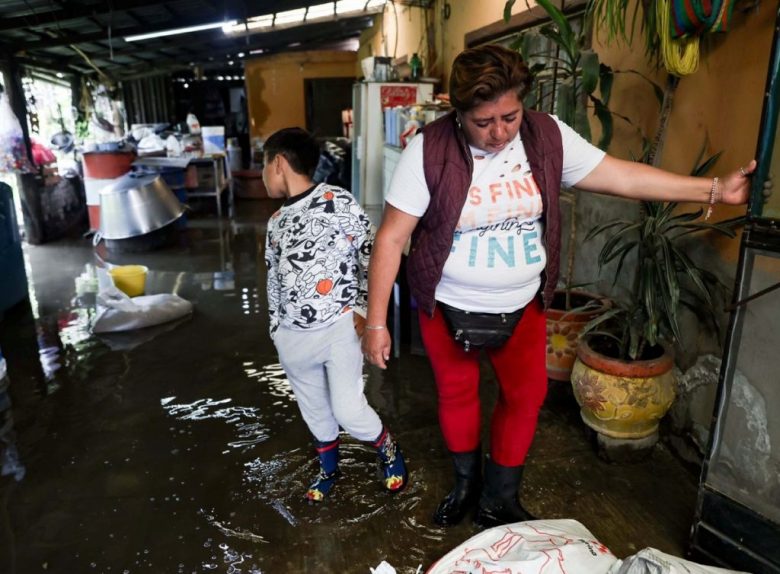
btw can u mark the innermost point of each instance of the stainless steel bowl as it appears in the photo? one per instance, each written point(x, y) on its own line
point(135, 205)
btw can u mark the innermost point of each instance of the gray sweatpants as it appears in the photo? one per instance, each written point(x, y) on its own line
point(325, 368)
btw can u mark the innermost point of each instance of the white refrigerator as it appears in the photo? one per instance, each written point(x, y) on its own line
point(369, 99)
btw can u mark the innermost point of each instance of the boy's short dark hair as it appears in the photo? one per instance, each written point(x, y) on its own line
point(297, 146)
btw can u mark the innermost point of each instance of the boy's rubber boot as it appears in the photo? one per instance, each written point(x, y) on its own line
point(463, 497)
point(328, 453)
point(498, 503)
point(395, 475)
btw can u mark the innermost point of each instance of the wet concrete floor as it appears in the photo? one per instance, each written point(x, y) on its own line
point(180, 449)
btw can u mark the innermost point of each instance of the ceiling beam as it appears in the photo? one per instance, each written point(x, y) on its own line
point(73, 12)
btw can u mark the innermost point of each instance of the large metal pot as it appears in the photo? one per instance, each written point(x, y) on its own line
point(137, 204)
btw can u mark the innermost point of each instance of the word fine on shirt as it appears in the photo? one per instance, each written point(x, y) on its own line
point(513, 198)
point(500, 223)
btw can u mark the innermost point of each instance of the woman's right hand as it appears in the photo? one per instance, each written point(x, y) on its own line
point(376, 345)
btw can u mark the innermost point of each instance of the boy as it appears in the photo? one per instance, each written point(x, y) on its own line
point(317, 250)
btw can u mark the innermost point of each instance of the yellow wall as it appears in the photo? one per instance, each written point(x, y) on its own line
point(274, 84)
point(722, 102)
point(449, 34)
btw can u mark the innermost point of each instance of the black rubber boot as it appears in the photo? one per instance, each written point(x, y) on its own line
point(463, 497)
point(498, 503)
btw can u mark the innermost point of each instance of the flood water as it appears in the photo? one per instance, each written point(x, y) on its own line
point(180, 449)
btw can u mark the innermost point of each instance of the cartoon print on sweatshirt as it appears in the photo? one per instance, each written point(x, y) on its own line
point(317, 251)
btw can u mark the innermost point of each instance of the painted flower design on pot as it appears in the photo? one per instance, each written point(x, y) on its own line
point(591, 392)
point(561, 339)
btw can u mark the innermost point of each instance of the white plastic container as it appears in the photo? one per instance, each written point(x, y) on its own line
point(234, 155)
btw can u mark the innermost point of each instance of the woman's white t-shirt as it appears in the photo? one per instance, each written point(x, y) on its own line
point(497, 254)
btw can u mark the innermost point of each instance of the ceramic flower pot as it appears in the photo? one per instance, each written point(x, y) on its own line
point(622, 399)
point(564, 328)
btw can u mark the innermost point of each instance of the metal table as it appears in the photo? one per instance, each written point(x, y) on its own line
point(221, 183)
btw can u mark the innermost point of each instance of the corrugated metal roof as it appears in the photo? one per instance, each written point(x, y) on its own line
point(43, 32)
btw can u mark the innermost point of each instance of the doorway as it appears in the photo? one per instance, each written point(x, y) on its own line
point(325, 98)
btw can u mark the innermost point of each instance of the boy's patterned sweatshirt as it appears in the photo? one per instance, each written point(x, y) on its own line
point(317, 250)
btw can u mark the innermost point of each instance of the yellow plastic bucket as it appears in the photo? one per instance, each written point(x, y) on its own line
point(130, 278)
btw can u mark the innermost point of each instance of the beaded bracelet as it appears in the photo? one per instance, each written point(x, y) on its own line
point(713, 199)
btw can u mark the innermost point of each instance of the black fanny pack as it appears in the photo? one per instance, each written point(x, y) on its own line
point(477, 330)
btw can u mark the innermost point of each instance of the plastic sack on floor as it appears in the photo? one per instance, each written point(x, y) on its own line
point(652, 561)
point(13, 152)
point(118, 312)
point(533, 547)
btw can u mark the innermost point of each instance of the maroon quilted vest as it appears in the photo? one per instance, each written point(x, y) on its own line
point(448, 167)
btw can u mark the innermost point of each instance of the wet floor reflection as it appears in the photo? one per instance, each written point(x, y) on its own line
point(182, 450)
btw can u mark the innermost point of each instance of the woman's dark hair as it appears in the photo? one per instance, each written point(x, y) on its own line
point(482, 74)
point(297, 146)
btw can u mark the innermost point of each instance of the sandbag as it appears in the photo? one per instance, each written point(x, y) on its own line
point(652, 561)
point(118, 312)
point(535, 546)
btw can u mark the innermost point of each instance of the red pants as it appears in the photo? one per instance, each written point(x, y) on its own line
point(520, 367)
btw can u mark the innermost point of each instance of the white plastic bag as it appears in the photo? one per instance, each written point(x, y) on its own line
point(13, 152)
point(652, 561)
point(535, 546)
point(118, 312)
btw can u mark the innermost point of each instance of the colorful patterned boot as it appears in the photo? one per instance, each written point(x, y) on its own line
point(328, 453)
point(393, 466)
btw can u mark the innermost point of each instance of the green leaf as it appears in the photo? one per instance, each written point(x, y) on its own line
point(568, 57)
point(562, 23)
point(606, 316)
point(668, 209)
point(625, 252)
point(601, 228)
point(589, 62)
point(518, 45)
point(648, 295)
point(606, 77)
point(692, 273)
point(565, 105)
point(668, 268)
point(508, 10)
point(582, 123)
point(614, 242)
point(699, 226)
point(705, 166)
point(682, 219)
point(605, 117)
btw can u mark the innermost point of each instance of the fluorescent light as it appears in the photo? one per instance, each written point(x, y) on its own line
point(253, 23)
point(289, 17)
point(349, 6)
point(299, 16)
point(357, 6)
point(176, 31)
point(319, 11)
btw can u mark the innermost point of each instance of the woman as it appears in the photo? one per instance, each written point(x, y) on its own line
point(477, 192)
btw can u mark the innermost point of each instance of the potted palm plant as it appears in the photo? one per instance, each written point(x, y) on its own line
point(623, 376)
